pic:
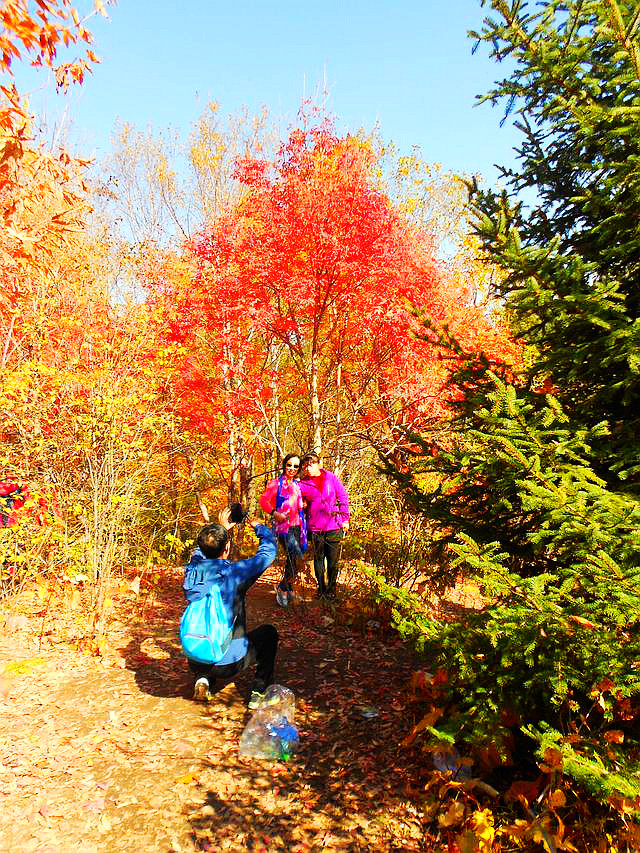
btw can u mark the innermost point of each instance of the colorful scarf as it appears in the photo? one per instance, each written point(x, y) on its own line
point(283, 527)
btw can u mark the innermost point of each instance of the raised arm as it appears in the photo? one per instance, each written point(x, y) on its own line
point(254, 566)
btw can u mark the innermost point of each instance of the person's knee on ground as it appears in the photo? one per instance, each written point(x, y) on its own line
point(264, 641)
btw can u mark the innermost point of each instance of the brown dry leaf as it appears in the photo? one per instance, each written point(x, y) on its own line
point(515, 831)
point(604, 686)
point(557, 799)
point(428, 720)
point(623, 805)
point(552, 760)
point(614, 736)
point(528, 789)
point(584, 623)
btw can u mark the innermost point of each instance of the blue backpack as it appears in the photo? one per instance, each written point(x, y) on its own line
point(205, 632)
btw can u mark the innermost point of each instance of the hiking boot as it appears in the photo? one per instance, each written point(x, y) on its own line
point(281, 597)
point(201, 690)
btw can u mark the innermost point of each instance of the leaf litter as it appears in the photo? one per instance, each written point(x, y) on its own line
point(112, 754)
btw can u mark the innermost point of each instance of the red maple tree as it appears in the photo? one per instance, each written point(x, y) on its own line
point(299, 305)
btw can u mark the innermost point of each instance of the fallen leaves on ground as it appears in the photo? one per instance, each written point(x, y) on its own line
point(113, 755)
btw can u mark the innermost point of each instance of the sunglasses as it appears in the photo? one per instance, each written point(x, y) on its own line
point(291, 465)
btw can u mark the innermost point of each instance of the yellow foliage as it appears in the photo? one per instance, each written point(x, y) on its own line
point(453, 816)
point(482, 824)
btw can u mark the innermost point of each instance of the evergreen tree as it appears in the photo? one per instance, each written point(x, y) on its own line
point(573, 258)
point(538, 488)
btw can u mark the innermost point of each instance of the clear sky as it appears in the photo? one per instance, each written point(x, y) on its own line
point(406, 65)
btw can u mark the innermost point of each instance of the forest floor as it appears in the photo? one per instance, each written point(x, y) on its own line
point(111, 753)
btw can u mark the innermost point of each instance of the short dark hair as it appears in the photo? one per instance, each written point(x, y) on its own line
point(288, 457)
point(309, 457)
point(212, 540)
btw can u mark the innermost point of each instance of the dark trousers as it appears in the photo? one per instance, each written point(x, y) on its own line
point(290, 541)
point(263, 645)
point(327, 545)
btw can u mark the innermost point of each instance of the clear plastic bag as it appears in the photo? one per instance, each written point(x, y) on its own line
point(270, 733)
point(280, 700)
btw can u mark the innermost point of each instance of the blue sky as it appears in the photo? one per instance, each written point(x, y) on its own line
point(405, 65)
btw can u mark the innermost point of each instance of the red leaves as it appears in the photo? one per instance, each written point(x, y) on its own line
point(294, 305)
point(251, 172)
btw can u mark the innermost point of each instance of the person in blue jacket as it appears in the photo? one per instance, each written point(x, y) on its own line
point(210, 565)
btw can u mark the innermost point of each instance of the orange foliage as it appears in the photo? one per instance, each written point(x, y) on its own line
point(304, 292)
point(41, 194)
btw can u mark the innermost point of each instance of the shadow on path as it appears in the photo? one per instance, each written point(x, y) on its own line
point(114, 756)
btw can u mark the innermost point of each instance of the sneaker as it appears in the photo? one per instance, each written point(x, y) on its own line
point(281, 597)
point(201, 690)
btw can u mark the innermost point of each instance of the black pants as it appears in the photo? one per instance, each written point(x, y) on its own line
point(263, 645)
point(327, 544)
point(290, 541)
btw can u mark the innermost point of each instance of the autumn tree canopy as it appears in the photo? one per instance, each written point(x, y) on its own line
point(297, 315)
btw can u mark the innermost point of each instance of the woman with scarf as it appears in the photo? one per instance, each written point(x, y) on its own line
point(282, 500)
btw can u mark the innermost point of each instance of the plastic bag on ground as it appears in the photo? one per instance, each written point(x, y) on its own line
point(279, 699)
point(270, 733)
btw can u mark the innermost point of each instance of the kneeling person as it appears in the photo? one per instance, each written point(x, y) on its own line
point(209, 566)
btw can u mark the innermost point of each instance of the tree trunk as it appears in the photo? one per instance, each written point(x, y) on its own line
point(316, 428)
point(192, 475)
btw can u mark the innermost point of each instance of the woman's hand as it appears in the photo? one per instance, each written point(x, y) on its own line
point(279, 517)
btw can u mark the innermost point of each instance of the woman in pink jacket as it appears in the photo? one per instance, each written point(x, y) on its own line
point(282, 500)
point(328, 512)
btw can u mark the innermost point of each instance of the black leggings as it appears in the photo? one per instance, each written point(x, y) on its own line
point(327, 544)
point(263, 645)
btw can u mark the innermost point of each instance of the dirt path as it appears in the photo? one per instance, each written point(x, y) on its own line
point(114, 756)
